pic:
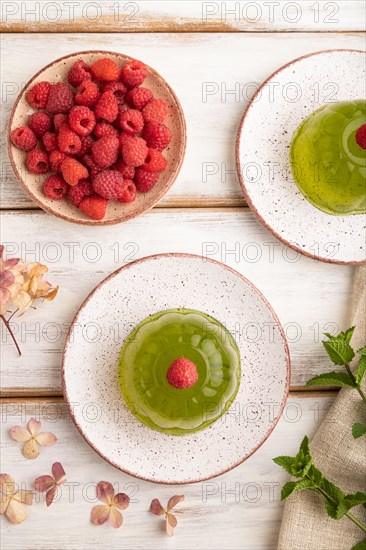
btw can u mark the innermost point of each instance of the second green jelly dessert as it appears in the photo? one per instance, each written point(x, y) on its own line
point(179, 371)
point(328, 157)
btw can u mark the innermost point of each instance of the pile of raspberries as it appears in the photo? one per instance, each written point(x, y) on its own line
point(101, 134)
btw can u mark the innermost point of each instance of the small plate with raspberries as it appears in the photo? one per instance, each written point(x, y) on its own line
point(96, 137)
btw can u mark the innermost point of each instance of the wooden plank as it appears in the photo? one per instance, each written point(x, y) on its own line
point(240, 509)
point(213, 90)
point(309, 297)
point(182, 16)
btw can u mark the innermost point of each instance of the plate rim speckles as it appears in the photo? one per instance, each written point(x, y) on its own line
point(249, 192)
point(144, 262)
point(69, 212)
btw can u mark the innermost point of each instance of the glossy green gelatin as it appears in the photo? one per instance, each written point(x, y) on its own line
point(328, 165)
point(147, 354)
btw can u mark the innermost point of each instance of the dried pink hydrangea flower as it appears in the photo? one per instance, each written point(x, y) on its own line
point(13, 500)
point(110, 510)
point(170, 520)
point(49, 484)
point(32, 438)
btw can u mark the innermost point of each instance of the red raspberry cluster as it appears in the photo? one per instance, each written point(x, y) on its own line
point(101, 134)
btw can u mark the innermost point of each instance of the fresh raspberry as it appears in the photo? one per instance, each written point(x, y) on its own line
point(129, 194)
point(134, 151)
point(93, 168)
point(361, 136)
point(128, 172)
point(139, 97)
point(86, 145)
point(109, 184)
point(154, 162)
point(81, 120)
point(87, 94)
point(68, 141)
point(107, 107)
point(144, 180)
point(37, 161)
point(105, 70)
point(55, 187)
point(123, 137)
point(60, 99)
point(73, 171)
point(79, 72)
point(156, 110)
point(102, 129)
point(157, 135)
point(50, 142)
point(133, 73)
point(122, 108)
point(118, 89)
point(182, 374)
point(56, 157)
point(131, 121)
point(38, 95)
point(83, 189)
point(105, 151)
point(23, 138)
point(59, 120)
point(40, 123)
point(94, 207)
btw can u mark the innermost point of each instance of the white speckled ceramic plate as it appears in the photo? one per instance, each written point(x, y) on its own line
point(116, 212)
point(279, 106)
point(92, 350)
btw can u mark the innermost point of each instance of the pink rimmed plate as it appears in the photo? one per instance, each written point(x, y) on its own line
point(90, 374)
point(284, 100)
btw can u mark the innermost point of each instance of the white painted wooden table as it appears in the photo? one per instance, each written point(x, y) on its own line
point(214, 54)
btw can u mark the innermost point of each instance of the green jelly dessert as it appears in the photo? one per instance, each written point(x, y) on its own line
point(328, 157)
point(179, 371)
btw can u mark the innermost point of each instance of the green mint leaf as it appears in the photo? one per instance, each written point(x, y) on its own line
point(294, 486)
point(286, 462)
point(302, 461)
point(360, 545)
point(354, 499)
point(334, 492)
point(331, 508)
point(358, 430)
point(315, 475)
point(332, 379)
point(338, 347)
point(361, 369)
point(362, 351)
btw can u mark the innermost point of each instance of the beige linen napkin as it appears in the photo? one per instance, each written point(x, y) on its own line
point(342, 459)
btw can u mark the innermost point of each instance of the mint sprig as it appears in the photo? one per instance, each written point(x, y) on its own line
point(341, 352)
point(337, 503)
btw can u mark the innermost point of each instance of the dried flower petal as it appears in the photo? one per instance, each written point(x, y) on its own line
point(30, 449)
point(105, 491)
point(24, 496)
point(156, 508)
point(34, 426)
point(12, 501)
point(110, 510)
point(57, 471)
point(20, 434)
point(43, 483)
point(50, 495)
point(170, 519)
point(121, 501)
point(115, 518)
point(99, 514)
point(173, 501)
point(170, 524)
point(16, 512)
point(46, 439)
